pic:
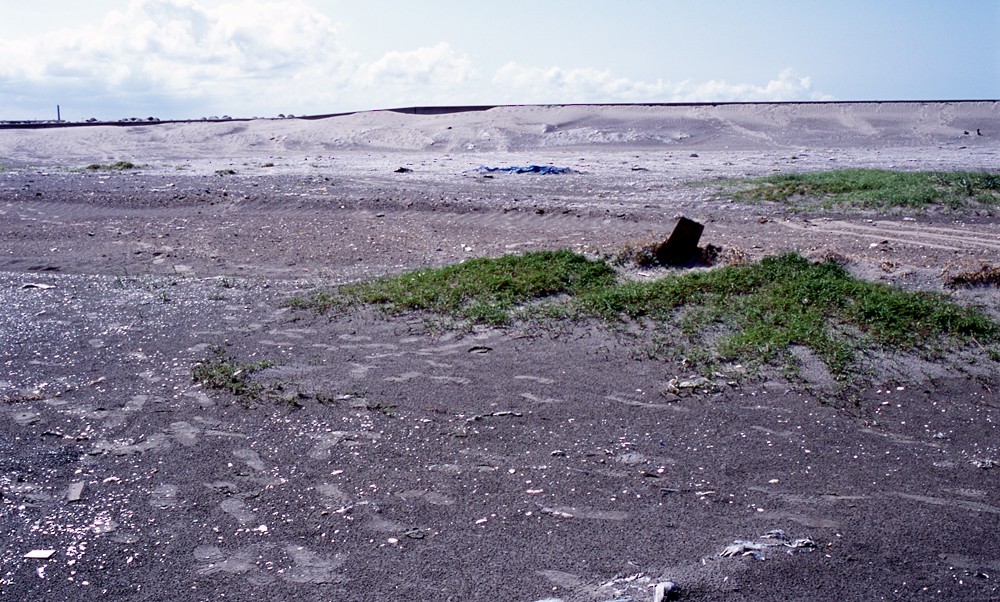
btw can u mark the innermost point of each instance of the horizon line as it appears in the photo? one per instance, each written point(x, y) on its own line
point(450, 109)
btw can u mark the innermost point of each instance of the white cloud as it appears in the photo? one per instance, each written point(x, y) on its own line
point(179, 58)
point(428, 75)
point(581, 85)
point(437, 65)
point(224, 60)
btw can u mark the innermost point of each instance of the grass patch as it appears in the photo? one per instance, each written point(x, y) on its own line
point(480, 290)
point(766, 307)
point(752, 312)
point(875, 189)
point(222, 372)
point(116, 166)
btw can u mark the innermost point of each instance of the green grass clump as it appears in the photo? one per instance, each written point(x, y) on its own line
point(876, 189)
point(751, 312)
point(481, 290)
point(222, 372)
point(116, 166)
point(781, 301)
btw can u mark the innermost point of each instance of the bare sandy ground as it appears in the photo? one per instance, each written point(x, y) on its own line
point(483, 464)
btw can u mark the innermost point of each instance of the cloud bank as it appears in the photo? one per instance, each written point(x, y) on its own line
point(176, 58)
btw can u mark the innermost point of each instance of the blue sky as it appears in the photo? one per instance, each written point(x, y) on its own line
point(191, 58)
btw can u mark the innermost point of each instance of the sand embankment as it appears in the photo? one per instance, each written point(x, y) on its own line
point(769, 126)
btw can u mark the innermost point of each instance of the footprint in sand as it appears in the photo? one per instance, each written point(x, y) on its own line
point(328, 441)
point(310, 567)
point(164, 497)
point(237, 508)
point(291, 563)
point(333, 496)
point(536, 399)
point(359, 370)
point(218, 562)
point(183, 433)
point(431, 497)
point(537, 379)
point(251, 458)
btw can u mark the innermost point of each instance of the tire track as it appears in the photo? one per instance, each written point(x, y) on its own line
point(949, 239)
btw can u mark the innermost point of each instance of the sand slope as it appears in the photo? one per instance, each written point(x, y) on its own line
point(518, 128)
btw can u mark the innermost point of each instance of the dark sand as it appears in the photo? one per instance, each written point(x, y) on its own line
point(469, 465)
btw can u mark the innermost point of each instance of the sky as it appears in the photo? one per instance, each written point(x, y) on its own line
point(176, 59)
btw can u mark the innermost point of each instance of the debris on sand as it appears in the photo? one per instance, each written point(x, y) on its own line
point(679, 386)
point(678, 250)
point(681, 246)
point(986, 275)
point(74, 492)
point(771, 540)
point(539, 169)
point(500, 414)
point(665, 590)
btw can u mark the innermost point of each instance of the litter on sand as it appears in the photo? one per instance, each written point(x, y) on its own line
point(771, 540)
point(539, 169)
point(40, 554)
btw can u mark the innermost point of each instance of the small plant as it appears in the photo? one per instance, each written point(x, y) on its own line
point(386, 409)
point(116, 166)
point(222, 372)
point(225, 172)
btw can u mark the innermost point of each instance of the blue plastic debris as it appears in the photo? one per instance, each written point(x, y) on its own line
point(541, 169)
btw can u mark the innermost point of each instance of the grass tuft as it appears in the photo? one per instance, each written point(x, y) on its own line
point(116, 166)
point(482, 290)
point(876, 189)
point(224, 373)
point(750, 312)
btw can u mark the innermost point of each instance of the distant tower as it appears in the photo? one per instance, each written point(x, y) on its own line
point(58, 114)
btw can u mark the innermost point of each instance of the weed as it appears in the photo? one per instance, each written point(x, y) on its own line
point(222, 372)
point(875, 189)
point(225, 172)
point(386, 409)
point(23, 397)
point(116, 166)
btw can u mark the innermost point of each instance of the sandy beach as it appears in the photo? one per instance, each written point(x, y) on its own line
point(404, 460)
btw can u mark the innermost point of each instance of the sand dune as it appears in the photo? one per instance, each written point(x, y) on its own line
point(519, 128)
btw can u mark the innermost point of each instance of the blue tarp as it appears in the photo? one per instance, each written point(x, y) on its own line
point(542, 169)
